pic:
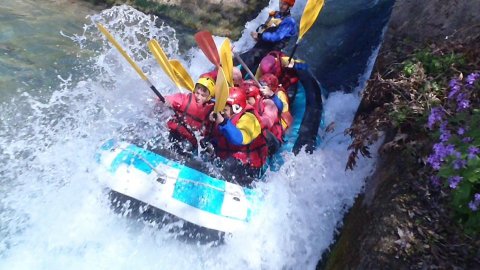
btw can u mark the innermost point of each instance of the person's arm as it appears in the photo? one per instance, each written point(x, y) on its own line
point(287, 28)
point(231, 132)
point(175, 101)
point(281, 95)
point(278, 102)
point(247, 129)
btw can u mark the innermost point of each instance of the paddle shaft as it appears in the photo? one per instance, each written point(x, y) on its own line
point(293, 52)
point(247, 69)
point(130, 60)
point(162, 99)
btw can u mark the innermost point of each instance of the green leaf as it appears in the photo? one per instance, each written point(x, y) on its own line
point(474, 162)
point(446, 171)
point(461, 196)
point(472, 175)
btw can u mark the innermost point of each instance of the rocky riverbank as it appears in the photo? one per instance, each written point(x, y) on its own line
point(403, 221)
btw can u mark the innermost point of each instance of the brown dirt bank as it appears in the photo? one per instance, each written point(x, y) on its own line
point(402, 222)
point(221, 17)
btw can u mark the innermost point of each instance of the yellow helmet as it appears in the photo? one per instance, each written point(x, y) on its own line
point(208, 83)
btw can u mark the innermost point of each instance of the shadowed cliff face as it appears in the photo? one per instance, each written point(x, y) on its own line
point(435, 20)
point(341, 42)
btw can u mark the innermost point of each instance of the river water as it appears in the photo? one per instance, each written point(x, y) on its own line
point(65, 91)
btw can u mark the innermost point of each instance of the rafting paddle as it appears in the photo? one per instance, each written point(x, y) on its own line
point(221, 92)
point(181, 74)
point(207, 45)
point(205, 41)
point(129, 60)
point(162, 60)
point(226, 59)
point(310, 14)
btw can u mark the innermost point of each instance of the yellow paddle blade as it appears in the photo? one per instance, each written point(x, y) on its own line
point(310, 14)
point(221, 91)
point(182, 76)
point(120, 49)
point(162, 60)
point(226, 59)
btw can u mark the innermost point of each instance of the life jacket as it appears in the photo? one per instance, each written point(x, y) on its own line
point(271, 25)
point(189, 118)
point(286, 76)
point(253, 154)
point(276, 129)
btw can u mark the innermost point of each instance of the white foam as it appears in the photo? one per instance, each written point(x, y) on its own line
point(54, 211)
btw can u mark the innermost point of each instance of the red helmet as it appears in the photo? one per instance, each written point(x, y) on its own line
point(237, 99)
point(267, 65)
point(270, 80)
point(253, 91)
point(289, 2)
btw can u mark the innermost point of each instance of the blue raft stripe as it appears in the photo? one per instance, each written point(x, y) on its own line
point(204, 192)
point(297, 109)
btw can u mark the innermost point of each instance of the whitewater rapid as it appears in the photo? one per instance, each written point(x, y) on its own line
point(54, 213)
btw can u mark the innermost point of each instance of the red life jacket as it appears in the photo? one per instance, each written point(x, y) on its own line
point(190, 117)
point(253, 154)
point(286, 76)
point(276, 129)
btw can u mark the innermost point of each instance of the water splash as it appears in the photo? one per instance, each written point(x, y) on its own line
point(54, 213)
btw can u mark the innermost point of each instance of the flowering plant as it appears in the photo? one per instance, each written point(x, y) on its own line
point(456, 156)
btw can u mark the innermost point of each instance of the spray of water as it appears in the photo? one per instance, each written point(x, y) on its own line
point(54, 212)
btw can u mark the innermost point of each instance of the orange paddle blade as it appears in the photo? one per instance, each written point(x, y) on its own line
point(205, 41)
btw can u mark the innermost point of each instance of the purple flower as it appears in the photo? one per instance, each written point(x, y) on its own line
point(459, 163)
point(445, 136)
point(444, 132)
point(473, 152)
point(473, 206)
point(454, 181)
point(467, 140)
point(463, 102)
point(454, 92)
point(435, 180)
point(435, 162)
point(440, 152)
point(453, 82)
point(461, 131)
point(472, 78)
point(436, 115)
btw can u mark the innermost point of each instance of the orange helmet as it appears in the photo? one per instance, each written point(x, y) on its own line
point(289, 2)
point(237, 99)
